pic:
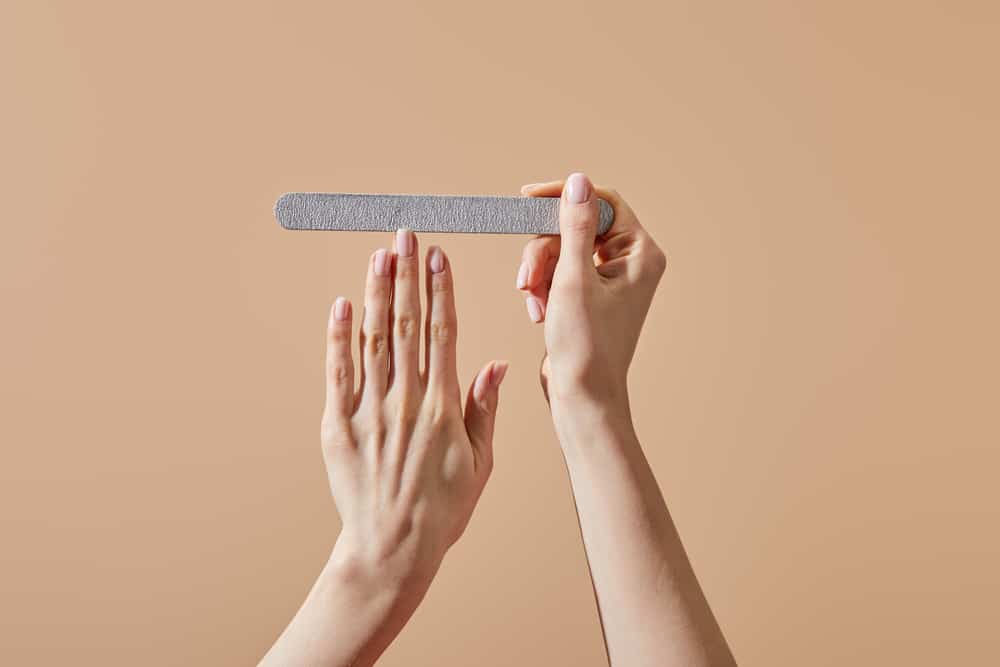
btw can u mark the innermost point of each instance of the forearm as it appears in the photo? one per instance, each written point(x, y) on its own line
point(349, 617)
point(652, 609)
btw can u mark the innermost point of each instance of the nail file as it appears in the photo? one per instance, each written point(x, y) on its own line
point(425, 213)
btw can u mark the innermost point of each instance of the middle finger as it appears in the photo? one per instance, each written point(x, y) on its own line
point(406, 313)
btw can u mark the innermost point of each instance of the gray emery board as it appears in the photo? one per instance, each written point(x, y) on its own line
point(425, 213)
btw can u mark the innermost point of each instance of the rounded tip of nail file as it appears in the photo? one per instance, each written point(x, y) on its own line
point(425, 213)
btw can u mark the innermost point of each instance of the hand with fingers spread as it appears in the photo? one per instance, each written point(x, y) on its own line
point(593, 295)
point(406, 465)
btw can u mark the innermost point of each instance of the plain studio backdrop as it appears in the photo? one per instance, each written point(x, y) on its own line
point(816, 386)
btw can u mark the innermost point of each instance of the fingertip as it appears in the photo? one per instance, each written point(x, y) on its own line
point(488, 382)
point(578, 222)
point(382, 262)
point(342, 309)
point(522, 275)
point(405, 242)
point(482, 384)
point(339, 329)
point(536, 310)
point(435, 259)
point(578, 189)
point(497, 373)
point(545, 189)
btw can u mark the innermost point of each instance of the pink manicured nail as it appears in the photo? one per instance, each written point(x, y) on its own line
point(577, 188)
point(437, 260)
point(482, 384)
point(498, 372)
point(404, 242)
point(341, 308)
point(381, 262)
point(534, 309)
point(522, 276)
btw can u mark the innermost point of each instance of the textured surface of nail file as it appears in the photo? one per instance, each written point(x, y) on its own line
point(425, 213)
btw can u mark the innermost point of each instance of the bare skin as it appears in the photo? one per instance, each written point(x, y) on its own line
point(592, 296)
point(406, 465)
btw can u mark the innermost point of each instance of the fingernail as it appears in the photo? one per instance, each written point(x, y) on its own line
point(404, 242)
point(522, 276)
point(437, 260)
point(482, 382)
point(340, 309)
point(577, 188)
point(498, 372)
point(529, 186)
point(534, 309)
point(381, 262)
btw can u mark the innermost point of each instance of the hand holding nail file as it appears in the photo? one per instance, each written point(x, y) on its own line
point(425, 213)
point(589, 294)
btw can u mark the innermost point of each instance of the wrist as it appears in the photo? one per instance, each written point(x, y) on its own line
point(355, 568)
point(593, 390)
point(368, 602)
point(583, 421)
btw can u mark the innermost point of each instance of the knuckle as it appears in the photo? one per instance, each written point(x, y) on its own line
point(406, 270)
point(440, 284)
point(377, 343)
point(442, 331)
point(440, 415)
point(402, 402)
point(581, 221)
point(339, 373)
point(405, 421)
point(340, 335)
point(405, 325)
point(376, 433)
point(378, 291)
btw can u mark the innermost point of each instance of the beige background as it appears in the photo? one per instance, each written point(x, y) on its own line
point(816, 386)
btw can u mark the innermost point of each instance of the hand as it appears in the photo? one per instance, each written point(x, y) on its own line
point(592, 293)
point(406, 467)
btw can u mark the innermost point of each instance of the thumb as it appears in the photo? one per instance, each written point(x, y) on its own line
point(578, 217)
point(481, 409)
